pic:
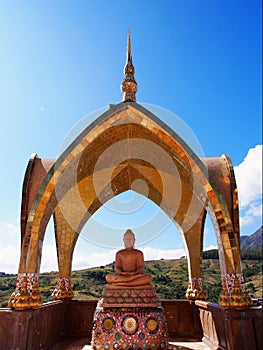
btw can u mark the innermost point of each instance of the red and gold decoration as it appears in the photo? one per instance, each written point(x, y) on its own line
point(196, 290)
point(124, 328)
point(63, 290)
point(233, 293)
point(26, 294)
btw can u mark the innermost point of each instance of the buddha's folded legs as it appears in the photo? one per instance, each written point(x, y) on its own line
point(134, 280)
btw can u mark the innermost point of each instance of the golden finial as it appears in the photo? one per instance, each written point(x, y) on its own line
point(129, 85)
point(129, 43)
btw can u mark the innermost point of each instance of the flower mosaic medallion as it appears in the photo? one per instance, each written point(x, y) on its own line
point(129, 329)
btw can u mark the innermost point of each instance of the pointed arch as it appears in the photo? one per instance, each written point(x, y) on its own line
point(125, 144)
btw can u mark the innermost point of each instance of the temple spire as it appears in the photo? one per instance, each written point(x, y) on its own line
point(129, 85)
point(129, 43)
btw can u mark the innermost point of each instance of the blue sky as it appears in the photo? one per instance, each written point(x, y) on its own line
point(62, 60)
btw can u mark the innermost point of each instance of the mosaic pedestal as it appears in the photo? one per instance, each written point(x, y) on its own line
point(129, 328)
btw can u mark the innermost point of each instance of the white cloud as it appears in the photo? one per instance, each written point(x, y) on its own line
point(7, 229)
point(255, 209)
point(9, 258)
point(250, 215)
point(10, 254)
point(210, 247)
point(157, 254)
point(101, 259)
point(246, 220)
point(93, 260)
point(249, 184)
point(9, 248)
point(49, 260)
point(249, 177)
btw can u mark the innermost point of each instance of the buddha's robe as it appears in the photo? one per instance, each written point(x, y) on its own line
point(129, 270)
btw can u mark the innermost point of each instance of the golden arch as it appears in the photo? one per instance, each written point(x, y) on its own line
point(87, 175)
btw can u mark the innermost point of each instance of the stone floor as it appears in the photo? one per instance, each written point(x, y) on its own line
point(81, 344)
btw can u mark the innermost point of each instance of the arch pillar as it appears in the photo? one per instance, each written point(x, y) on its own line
point(233, 294)
point(26, 294)
point(66, 238)
point(194, 247)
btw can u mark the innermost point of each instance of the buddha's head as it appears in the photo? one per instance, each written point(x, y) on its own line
point(129, 238)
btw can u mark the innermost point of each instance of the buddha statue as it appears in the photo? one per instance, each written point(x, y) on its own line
point(129, 314)
point(129, 266)
point(129, 286)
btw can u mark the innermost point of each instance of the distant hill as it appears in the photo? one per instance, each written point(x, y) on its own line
point(170, 277)
point(252, 242)
point(251, 247)
point(170, 280)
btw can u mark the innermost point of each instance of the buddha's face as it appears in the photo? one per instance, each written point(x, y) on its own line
point(129, 240)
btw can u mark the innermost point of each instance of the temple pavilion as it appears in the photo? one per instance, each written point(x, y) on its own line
point(83, 178)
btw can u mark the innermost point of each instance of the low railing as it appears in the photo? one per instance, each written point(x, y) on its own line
point(31, 329)
point(227, 329)
point(41, 328)
point(220, 329)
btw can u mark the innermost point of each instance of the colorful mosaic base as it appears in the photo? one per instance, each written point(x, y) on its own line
point(140, 328)
point(230, 278)
point(196, 283)
point(66, 282)
point(31, 278)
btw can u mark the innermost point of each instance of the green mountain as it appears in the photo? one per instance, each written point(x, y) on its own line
point(253, 241)
point(251, 247)
point(170, 280)
point(170, 277)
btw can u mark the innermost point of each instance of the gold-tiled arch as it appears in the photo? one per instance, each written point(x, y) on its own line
point(65, 188)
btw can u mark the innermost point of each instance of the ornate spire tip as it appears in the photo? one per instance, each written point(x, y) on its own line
point(129, 85)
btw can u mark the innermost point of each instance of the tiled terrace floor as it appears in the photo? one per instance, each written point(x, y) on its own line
point(81, 344)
